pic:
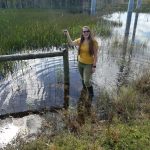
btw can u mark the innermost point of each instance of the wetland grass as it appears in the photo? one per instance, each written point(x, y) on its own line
point(26, 29)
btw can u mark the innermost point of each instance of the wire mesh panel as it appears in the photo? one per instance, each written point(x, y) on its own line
point(31, 84)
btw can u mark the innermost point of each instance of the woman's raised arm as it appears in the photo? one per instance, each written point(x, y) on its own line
point(72, 43)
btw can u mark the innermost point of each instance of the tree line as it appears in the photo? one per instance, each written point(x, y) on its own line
point(58, 4)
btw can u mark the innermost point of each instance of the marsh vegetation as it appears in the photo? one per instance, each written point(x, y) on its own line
point(28, 29)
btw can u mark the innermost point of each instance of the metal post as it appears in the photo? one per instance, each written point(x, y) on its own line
point(66, 66)
point(125, 43)
point(66, 78)
point(93, 7)
point(139, 2)
point(129, 16)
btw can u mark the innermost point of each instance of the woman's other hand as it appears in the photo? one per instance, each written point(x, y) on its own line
point(93, 69)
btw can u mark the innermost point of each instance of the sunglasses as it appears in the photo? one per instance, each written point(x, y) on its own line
point(86, 31)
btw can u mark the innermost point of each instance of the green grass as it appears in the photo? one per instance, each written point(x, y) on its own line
point(27, 29)
point(38, 28)
point(128, 137)
point(94, 137)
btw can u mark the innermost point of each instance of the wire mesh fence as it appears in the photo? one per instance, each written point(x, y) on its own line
point(33, 84)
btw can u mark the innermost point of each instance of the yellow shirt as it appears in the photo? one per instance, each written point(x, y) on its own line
point(84, 56)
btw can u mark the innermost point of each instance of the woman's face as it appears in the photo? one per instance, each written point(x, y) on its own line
point(85, 32)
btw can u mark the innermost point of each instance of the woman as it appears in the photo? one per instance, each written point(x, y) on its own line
point(87, 56)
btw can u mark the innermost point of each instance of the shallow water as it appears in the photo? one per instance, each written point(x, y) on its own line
point(10, 128)
point(142, 30)
point(119, 63)
point(38, 83)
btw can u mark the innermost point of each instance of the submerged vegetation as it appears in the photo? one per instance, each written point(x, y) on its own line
point(123, 123)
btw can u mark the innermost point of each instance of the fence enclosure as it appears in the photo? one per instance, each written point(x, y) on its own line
point(15, 57)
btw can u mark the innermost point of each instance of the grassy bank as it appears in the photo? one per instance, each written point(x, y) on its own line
point(38, 28)
point(124, 123)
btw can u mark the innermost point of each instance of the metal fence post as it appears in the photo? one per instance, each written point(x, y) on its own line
point(139, 2)
point(66, 66)
point(129, 16)
point(93, 7)
point(66, 77)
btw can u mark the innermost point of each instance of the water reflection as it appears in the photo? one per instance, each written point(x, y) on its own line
point(39, 83)
point(135, 25)
point(124, 67)
point(119, 61)
point(143, 30)
point(13, 128)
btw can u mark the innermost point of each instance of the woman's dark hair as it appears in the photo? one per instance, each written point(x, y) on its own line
point(91, 44)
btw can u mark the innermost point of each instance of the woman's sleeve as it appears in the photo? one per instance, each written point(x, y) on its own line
point(77, 41)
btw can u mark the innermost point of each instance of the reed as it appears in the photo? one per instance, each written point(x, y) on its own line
point(23, 29)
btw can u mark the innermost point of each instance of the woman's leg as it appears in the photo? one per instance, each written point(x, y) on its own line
point(81, 69)
point(87, 75)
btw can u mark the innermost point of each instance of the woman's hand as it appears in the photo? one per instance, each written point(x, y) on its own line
point(66, 32)
point(93, 69)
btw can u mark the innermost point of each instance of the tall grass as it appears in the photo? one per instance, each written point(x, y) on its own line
point(129, 102)
point(38, 28)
